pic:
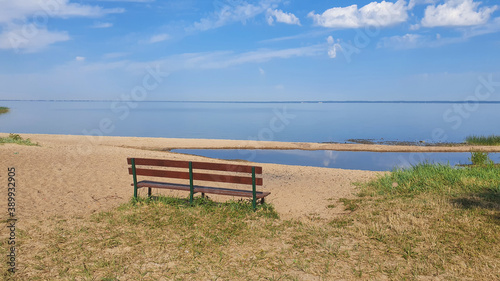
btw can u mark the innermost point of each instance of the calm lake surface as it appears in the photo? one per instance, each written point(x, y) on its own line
point(296, 122)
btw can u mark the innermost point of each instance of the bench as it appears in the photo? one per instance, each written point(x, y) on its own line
point(197, 171)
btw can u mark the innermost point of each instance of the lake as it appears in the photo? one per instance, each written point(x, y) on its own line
point(295, 122)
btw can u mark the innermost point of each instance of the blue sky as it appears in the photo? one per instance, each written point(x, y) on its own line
point(248, 50)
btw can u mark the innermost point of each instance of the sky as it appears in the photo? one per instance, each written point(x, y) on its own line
point(236, 50)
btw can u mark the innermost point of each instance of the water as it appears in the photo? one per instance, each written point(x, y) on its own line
point(356, 160)
point(296, 122)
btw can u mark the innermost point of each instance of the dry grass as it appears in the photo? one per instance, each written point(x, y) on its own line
point(398, 229)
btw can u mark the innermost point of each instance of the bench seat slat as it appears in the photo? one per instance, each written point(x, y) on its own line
point(165, 185)
point(202, 189)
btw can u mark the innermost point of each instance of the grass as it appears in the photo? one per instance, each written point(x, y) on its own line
point(15, 138)
point(483, 140)
point(4, 109)
point(427, 222)
point(480, 158)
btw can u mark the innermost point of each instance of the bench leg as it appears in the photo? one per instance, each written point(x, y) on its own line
point(202, 195)
point(149, 192)
point(262, 200)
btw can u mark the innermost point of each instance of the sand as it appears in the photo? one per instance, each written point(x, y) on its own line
point(78, 175)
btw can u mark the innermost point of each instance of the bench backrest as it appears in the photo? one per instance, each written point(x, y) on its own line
point(243, 173)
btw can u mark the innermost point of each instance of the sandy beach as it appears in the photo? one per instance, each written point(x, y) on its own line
point(71, 175)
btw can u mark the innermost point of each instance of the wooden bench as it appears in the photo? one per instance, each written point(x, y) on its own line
point(196, 171)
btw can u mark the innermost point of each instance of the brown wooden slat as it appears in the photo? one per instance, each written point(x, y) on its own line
point(164, 185)
point(160, 173)
point(196, 176)
point(196, 165)
point(227, 191)
point(159, 162)
point(226, 167)
point(226, 178)
point(202, 189)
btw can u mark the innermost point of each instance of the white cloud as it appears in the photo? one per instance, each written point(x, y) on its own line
point(407, 41)
point(33, 35)
point(333, 47)
point(235, 13)
point(159, 38)
point(457, 13)
point(224, 59)
point(102, 25)
point(78, 58)
point(373, 14)
point(29, 38)
point(262, 71)
point(217, 60)
point(280, 16)
point(415, 26)
point(491, 27)
point(40, 11)
point(412, 41)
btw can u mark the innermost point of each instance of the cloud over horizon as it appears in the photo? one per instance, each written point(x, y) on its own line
point(233, 13)
point(280, 16)
point(457, 13)
point(373, 14)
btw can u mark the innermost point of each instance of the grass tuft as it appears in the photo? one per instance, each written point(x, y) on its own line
point(236, 209)
point(480, 158)
point(483, 140)
point(438, 179)
point(15, 138)
point(4, 109)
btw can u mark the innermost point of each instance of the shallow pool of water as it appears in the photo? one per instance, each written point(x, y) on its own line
point(356, 160)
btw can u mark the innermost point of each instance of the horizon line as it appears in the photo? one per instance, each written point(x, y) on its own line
point(290, 101)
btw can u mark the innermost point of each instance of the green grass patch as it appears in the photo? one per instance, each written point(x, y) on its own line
point(437, 179)
point(483, 140)
point(480, 158)
point(4, 109)
point(235, 209)
point(15, 138)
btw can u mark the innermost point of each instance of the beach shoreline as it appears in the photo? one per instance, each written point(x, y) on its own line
point(165, 144)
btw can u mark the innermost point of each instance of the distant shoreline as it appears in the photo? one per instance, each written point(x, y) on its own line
point(166, 144)
point(281, 102)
